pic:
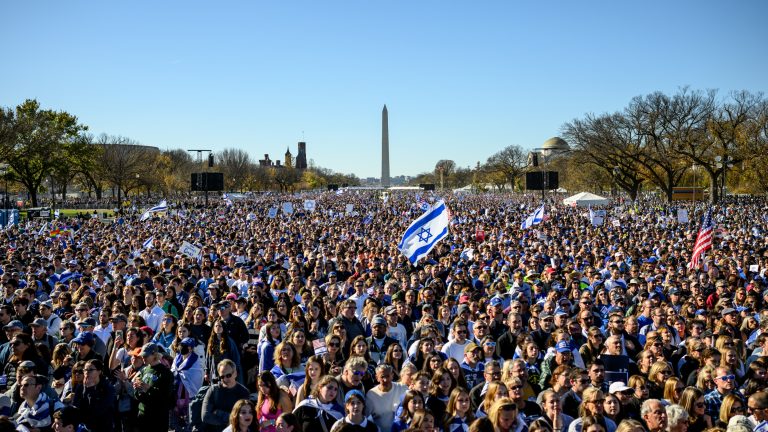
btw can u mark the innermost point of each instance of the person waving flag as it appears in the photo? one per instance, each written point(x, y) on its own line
point(703, 240)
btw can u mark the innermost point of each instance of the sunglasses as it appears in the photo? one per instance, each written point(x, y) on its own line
point(359, 373)
point(727, 378)
point(227, 376)
point(335, 345)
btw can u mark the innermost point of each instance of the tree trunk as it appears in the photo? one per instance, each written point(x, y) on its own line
point(714, 192)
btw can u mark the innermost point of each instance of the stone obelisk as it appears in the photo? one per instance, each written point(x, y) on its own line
point(384, 148)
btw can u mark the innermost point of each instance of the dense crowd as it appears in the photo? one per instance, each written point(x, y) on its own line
point(307, 318)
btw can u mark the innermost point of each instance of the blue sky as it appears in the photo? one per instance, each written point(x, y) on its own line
point(461, 79)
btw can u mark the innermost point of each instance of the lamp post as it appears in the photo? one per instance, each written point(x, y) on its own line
point(723, 163)
point(4, 173)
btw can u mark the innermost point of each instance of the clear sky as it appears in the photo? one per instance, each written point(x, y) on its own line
point(461, 79)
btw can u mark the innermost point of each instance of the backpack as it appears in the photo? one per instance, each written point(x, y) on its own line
point(196, 409)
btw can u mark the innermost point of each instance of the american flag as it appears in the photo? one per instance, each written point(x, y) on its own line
point(703, 239)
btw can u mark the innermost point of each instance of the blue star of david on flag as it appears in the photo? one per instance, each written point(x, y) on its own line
point(424, 235)
point(425, 232)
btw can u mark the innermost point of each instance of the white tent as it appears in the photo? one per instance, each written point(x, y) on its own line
point(584, 199)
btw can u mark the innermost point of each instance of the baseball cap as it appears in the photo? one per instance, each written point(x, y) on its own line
point(470, 347)
point(727, 311)
point(14, 324)
point(149, 349)
point(189, 342)
point(84, 338)
point(39, 322)
point(88, 322)
point(119, 317)
point(562, 347)
point(618, 387)
point(495, 301)
point(354, 393)
point(47, 303)
point(378, 320)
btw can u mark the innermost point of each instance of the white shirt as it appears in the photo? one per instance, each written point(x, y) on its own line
point(153, 318)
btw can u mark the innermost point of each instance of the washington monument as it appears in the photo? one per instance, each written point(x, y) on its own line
point(384, 148)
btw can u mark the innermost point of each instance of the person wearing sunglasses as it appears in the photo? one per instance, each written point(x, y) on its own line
point(221, 398)
point(352, 377)
point(96, 398)
point(725, 383)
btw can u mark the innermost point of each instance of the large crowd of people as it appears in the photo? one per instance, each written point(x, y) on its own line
point(251, 314)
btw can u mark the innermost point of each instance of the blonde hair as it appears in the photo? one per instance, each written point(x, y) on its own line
point(669, 389)
point(655, 369)
point(590, 394)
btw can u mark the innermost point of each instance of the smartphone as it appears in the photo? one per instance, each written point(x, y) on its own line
point(119, 334)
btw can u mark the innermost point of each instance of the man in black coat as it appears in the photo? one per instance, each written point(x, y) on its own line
point(507, 342)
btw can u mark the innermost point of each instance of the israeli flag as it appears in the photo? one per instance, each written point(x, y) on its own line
point(534, 219)
point(368, 219)
point(425, 232)
point(595, 217)
point(163, 206)
point(148, 244)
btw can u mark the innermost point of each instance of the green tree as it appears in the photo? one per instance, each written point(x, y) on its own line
point(38, 142)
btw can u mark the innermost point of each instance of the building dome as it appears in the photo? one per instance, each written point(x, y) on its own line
point(555, 145)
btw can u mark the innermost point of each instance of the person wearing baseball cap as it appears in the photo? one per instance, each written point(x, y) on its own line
point(355, 417)
point(151, 387)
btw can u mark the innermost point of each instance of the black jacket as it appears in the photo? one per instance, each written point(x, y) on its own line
point(97, 405)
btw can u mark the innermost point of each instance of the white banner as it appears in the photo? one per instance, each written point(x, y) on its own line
point(309, 205)
point(682, 216)
point(350, 209)
point(190, 250)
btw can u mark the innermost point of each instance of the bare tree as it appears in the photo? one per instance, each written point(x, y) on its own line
point(235, 164)
point(511, 161)
point(123, 162)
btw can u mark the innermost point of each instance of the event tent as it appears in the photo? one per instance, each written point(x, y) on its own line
point(584, 199)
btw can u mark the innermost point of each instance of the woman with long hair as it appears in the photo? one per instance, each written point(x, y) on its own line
point(395, 357)
point(221, 347)
point(612, 408)
point(167, 332)
point(440, 388)
point(458, 412)
point(495, 391)
point(552, 411)
point(528, 410)
point(560, 382)
point(75, 379)
point(287, 360)
point(241, 417)
point(267, 346)
point(729, 358)
point(673, 389)
point(23, 349)
point(321, 406)
point(731, 406)
point(333, 358)
point(424, 420)
point(594, 346)
point(299, 339)
point(199, 326)
point(458, 374)
point(272, 401)
point(657, 377)
point(412, 401)
point(592, 405)
point(314, 369)
point(692, 400)
point(505, 417)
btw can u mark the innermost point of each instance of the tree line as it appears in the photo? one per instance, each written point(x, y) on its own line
point(45, 150)
point(656, 143)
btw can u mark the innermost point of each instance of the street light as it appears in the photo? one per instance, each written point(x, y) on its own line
point(723, 163)
point(4, 173)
